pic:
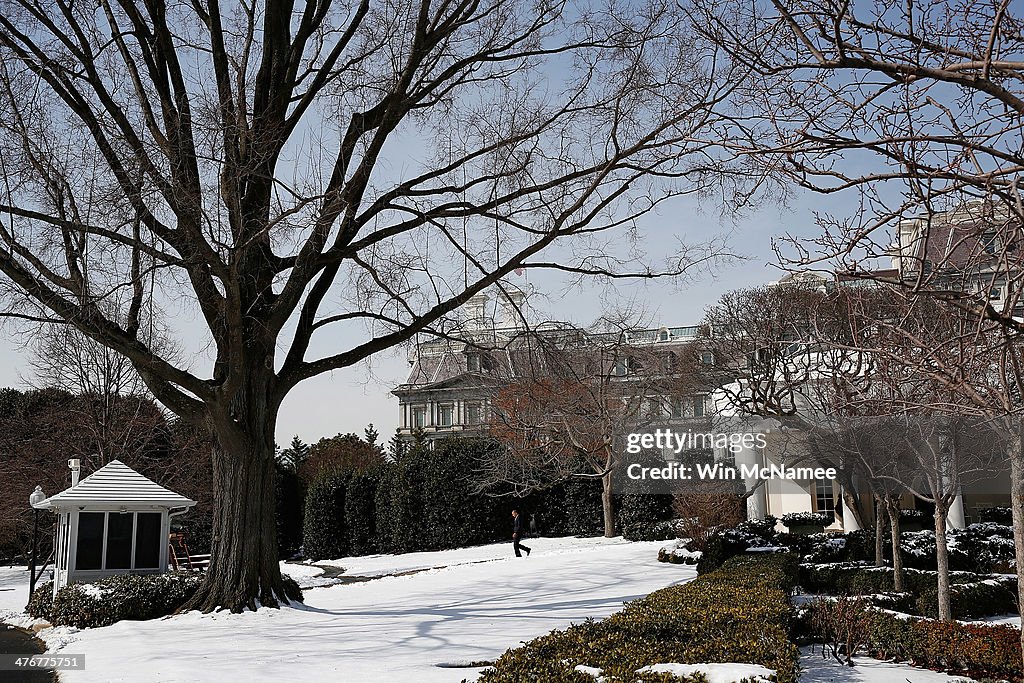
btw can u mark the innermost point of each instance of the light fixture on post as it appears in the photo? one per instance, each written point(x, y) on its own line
point(34, 499)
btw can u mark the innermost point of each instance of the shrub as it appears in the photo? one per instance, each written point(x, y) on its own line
point(730, 543)
point(986, 598)
point(682, 552)
point(798, 519)
point(703, 514)
point(738, 613)
point(323, 528)
point(360, 512)
point(41, 601)
point(1003, 516)
point(115, 598)
point(972, 595)
point(288, 511)
point(123, 597)
point(843, 625)
point(645, 517)
point(979, 651)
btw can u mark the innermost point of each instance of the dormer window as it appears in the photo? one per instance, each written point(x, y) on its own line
point(479, 362)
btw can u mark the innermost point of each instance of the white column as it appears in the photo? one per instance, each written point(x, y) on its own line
point(849, 518)
point(757, 502)
point(956, 518)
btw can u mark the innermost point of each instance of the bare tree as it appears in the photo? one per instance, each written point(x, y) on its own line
point(572, 399)
point(116, 407)
point(242, 162)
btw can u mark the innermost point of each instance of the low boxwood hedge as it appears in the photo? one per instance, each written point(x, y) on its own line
point(117, 598)
point(979, 595)
point(737, 613)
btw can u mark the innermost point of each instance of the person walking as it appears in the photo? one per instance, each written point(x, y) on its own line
point(517, 534)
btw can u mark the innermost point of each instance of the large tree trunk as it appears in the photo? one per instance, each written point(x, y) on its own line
point(880, 516)
point(942, 562)
point(244, 569)
point(1016, 451)
point(608, 505)
point(892, 508)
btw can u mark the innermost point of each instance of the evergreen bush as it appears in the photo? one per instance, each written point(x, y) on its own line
point(738, 613)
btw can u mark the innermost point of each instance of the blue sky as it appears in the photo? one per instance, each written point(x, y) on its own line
point(347, 400)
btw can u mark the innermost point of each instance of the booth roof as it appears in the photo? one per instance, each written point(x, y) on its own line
point(116, 484)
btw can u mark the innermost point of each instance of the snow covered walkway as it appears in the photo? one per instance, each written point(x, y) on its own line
point(469, 605)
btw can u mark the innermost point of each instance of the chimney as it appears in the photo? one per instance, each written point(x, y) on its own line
point(513, 304)
point(476, 311)
point(76, 468)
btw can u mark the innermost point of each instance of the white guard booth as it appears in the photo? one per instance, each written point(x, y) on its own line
point(114, 521)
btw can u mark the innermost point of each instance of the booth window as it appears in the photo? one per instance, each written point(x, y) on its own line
point(147, 540)
point(131, 540)
point(89, 554)
point(119, 540)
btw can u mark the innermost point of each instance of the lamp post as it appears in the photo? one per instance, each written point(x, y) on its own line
point(35, 499)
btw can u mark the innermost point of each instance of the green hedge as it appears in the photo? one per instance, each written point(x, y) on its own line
point(738, 613)
point(427, 499)
point(971, 595)
point(986, 598)
point(323, 526)
point(978, 651)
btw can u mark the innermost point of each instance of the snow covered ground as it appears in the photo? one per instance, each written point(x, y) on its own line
point(469, 605)
point(816, 669)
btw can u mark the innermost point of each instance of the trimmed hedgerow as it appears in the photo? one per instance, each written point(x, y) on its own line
point(738, 613)
point(986, 598)
point(971, 595)
point(979, 651)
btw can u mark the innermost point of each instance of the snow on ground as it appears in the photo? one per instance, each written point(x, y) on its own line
point(14, 595)
point(1001, 620)
point(380, 565)
point(471, 606)
point(816, 669)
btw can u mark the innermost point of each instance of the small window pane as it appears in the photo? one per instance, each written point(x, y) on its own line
point(119, 540)
point(148, 541)
point(89, 552)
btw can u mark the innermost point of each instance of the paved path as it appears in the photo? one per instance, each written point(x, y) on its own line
point(16, 641)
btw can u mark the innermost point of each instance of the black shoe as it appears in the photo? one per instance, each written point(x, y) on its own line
point(527, 551)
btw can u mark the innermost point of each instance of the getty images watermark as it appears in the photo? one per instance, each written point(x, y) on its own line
point(667, 440)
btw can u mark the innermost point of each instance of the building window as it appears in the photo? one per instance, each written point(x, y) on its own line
point(479, 362)
point(698, 406)
point(677, 407)
point(474, 413)
point(621, 367)
point(446, 414)
point(707, 358)
point(663, 335)
point(995, 294)
point(824, 496)
point(654, 407)
point(419, 417)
